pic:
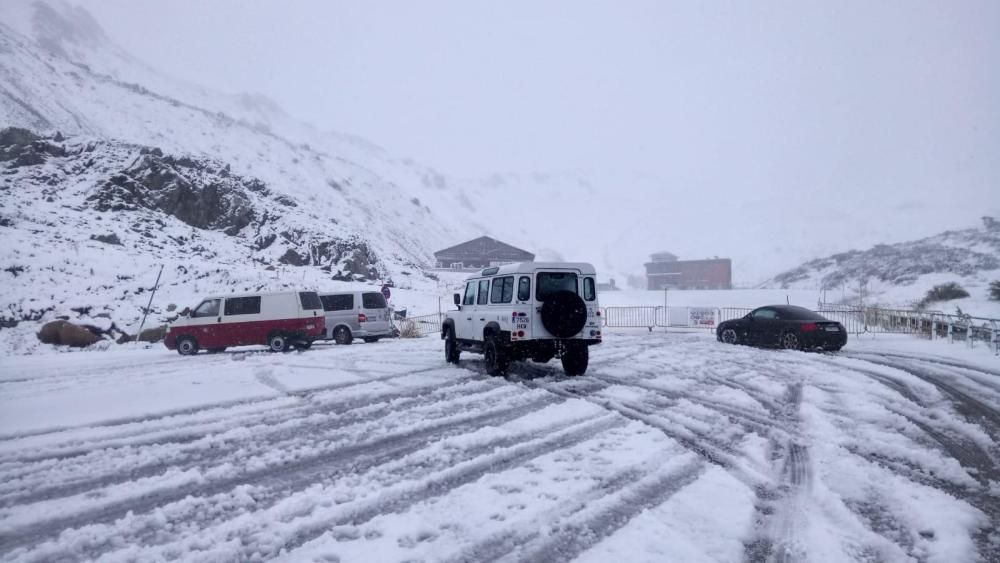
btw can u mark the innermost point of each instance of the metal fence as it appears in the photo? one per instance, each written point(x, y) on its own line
point(857, 320)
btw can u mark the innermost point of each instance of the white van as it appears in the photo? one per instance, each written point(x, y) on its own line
point(276, 320)
point(356, 314)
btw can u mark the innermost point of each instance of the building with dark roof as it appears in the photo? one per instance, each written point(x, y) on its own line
point(666, 271)
point(482, 252)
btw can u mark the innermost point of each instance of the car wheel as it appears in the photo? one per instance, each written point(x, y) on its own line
point(451, 351)
point(187, 346)
point(790, 341)
point(277, 343)
point(729, 336)
point(343, 336)
point(494, 357)
point(575, 360)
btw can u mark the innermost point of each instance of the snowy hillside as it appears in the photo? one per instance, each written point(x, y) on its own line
point(900, 274)
point(221, 199)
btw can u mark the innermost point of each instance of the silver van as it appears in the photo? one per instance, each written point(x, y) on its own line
point(356, 314)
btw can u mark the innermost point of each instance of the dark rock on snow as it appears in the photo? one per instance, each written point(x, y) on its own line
point(67, 334)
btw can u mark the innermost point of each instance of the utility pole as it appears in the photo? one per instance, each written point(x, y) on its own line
point(148, 305)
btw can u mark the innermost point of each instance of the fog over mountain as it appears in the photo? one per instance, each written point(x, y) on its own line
point(767, 133)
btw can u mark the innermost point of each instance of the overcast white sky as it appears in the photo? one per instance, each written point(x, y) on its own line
point(860, 122)
point(874, 93)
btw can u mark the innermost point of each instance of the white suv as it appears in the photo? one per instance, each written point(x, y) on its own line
point(536, 310)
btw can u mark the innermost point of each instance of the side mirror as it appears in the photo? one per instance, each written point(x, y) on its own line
point(457, 299)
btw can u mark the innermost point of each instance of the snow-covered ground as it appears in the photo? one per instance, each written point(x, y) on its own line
point(673, 447)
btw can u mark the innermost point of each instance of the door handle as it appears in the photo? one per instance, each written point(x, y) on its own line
point(468, 318)
point(219, 320)
point(482, 319)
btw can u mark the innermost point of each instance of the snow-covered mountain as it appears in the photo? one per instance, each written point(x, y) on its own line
point(900, 274)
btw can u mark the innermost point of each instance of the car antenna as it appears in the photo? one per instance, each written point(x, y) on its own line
point(787, 302)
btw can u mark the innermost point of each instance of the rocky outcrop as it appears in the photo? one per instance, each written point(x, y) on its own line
point(167, 184)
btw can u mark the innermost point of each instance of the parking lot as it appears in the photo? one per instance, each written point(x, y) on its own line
point(672, 447)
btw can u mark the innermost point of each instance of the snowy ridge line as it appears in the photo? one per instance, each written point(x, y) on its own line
point(293, 473)
point(170, 414)
point(196, 430)
point(590, 520)
point(249, 442)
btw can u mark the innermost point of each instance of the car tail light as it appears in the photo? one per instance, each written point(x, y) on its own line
point(362, 318)
point(809, 327)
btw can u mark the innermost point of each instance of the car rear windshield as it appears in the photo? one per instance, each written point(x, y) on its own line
point(799, 314)
point(343, 302)
point(310, 300)
point(551, 282)
point(373, 301)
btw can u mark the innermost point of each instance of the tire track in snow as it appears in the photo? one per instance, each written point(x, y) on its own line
point(220, 447)
point(589, 520)
point(384, 447)
point(162, 424)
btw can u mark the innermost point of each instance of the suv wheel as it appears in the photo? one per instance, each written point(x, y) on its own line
point(495, 357)
point(575, 360)
point(187, 346)
point(451, 351)
point(564, 314)
point(277, 343)
point(343, 336)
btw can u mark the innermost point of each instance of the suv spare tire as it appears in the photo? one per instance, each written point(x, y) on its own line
point(564, 314)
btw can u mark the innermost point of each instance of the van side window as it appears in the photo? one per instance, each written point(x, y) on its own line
point(373, 300)
point(343, 302)
point(470, 293)
point(588, 289)
point(310, 300)
point(524, 288)
point(502, 290)
point(243, 305)
point(484, 292)
point(208, 308)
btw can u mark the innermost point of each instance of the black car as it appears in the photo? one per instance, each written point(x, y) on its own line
point(784, 326)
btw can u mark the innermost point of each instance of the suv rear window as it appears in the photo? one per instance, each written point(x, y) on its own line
point(337, 302)
point(310, 300)
point(551, 282)
point(373, 300)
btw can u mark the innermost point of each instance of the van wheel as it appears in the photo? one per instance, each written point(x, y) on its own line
point(495, 357)
point(343, 336)
point(277, 343)
point(575, 360)
point(451, 351)
point(187, 346)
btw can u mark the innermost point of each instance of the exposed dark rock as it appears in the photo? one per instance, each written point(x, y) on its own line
point(293, 258)
point(264, 241)
point(107, 239)
point(172, 186)
point(15, 136)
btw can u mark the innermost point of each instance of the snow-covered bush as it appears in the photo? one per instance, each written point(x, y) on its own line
point(995, 290)
point(943, 292)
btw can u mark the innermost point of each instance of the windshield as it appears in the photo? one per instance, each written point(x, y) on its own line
point(551, 282)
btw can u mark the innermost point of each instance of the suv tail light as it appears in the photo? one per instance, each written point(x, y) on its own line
point(808, 327)
point(362, 318)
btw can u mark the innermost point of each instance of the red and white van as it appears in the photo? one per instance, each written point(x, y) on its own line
point(276, 320)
